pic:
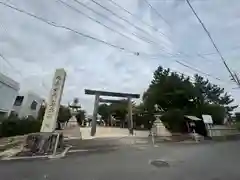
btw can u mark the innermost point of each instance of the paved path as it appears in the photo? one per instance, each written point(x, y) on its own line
point(104, 132)
point(214, 161)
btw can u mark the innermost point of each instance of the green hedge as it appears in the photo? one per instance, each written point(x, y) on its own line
point(15, 126)
point(174, 121)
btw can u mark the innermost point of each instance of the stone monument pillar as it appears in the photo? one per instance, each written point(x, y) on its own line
point(53, 103)
point(47, 141)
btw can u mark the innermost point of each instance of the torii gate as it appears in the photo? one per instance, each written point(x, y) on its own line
point(97, 94)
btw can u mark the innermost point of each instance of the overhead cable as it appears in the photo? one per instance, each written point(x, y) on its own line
point(10, 64)
point(90, 37)
point(66, 28)
point(114, 22)
point(156, 12)
point(212, 41)
point(89, 17)
point(136, 17)
point(123, 19)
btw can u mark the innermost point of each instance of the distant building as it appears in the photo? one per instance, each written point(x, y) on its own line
point(8, 93)
point(27, 104)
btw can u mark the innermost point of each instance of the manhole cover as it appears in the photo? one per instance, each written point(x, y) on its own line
point(159, 163)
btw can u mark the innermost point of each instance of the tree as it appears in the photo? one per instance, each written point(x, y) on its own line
point(174, 121)
point(213, 94)
point(172, 91)
point(64, 114)
point(237, 115)
point(81, 116)
point(119, 110)
point(169, 90)
point(141, 116)
point(41, 113)
point(217, 112)
point(104, 111)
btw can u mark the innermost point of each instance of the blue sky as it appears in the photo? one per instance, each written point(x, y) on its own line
point(36, 49)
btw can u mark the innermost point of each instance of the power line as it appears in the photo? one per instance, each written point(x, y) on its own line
point(136, 17)
point(198, 54)
point(99, 14)
point(187, 65)
point(123, 19)
point(197, 70)
point(212, 41)
point(17, 71)
point(89, 8)
point(87, 36)
point(157, 12)
point(114, 22)
point(180, 53)
point(10, 64)
point(67, 28)
point(89, 17)
point(230, 49)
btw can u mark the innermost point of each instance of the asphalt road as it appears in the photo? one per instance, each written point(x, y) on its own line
point(213, 161)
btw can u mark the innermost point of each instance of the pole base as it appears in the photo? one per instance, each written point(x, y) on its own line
point(43, 143)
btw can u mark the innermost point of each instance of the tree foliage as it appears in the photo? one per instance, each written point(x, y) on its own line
point(81, 116)
point(172, 91)
point(237, 116)
point(64, 113)
point(174, 121)
point(13, 126)
point(118, 110)
point(169, 90)
point(104, 111)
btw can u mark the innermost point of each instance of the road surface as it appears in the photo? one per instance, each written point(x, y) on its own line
point(212, 161)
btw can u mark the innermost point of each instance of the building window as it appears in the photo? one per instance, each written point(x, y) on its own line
point(34, 105)
point(18, 101)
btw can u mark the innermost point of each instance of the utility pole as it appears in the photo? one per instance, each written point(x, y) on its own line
point(234, 76)
point(237, 78)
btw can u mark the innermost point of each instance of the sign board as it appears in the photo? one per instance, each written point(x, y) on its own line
point(207, 119)
point(53, 103)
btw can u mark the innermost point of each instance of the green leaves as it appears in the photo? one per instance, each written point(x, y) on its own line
point(104, 111)
point(64, 114)
point(80, 116)
point(171, 90)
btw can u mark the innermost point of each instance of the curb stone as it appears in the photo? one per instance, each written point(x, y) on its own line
point(57, 156)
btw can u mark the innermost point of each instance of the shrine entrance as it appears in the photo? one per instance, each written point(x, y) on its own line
point(127, 97)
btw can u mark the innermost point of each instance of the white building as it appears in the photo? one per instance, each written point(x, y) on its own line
point(27, 104)
point(8, 93)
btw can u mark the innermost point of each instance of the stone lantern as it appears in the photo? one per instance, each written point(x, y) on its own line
point(158, 128)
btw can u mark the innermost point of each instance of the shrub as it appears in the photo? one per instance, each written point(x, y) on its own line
point(174, 120)
point(145, 119)
point(216, 111)
point(237, 125)
point(13, 126)
point(237, 115)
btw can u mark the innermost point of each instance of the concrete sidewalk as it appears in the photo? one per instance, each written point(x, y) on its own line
point(8, 142)
point(102, 132)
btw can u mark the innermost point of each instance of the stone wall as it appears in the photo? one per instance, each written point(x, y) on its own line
point(219, 130)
